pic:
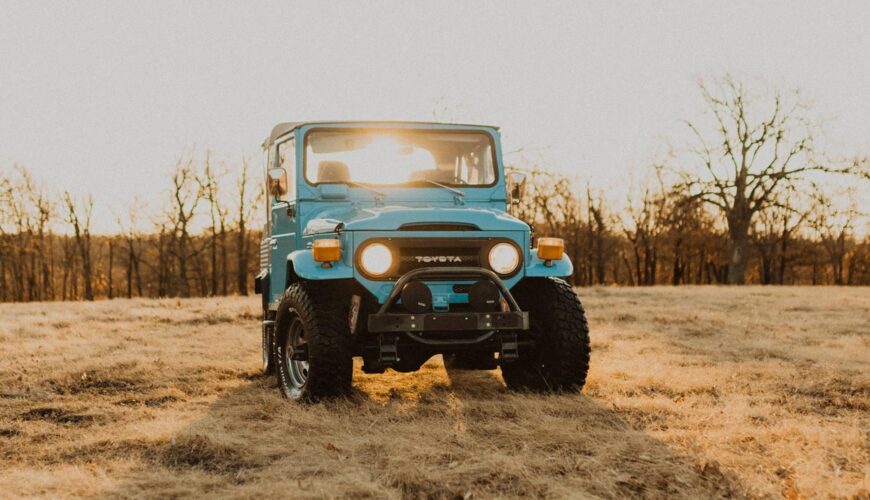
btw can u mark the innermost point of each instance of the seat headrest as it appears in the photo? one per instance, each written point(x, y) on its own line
point(332, 171)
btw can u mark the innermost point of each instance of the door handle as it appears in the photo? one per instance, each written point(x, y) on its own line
point(273, 242)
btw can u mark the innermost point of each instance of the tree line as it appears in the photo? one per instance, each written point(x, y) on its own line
point(750, 199)
point(200, 243)
point(665, 236)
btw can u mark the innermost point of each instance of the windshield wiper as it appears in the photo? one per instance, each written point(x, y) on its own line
point(378, 194)
point(455, 192)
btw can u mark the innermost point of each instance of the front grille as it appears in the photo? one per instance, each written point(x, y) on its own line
point(434, 256)
point(416, 253)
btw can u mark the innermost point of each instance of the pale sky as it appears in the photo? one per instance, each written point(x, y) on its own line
point(102, 97)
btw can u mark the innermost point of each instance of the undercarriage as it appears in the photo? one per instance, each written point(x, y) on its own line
point(403, 340)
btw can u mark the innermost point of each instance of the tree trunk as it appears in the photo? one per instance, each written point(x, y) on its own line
point(738, 238)
point(223, 240)
point(3, 296)
point(129, 269)
point(782, 259)
point(242, 270)
point(137, 260)
point(214, 261)
point(599, 256)
point(87, 272)
point(182, 265)
point(628, 268)
point(111, 264)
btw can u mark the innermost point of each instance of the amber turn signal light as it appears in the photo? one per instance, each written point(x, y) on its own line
point(551, 248)
point(327, 250)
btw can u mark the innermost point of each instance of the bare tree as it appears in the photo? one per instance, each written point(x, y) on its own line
point(78, 215)
point(772, 235)
point(688, 229)
point(185, 198)
point(132, 237)
point(553, 207)
point(210, 184)
point(163, 241)
point(246, 200)
point(835, 229)
point(22, 217)
point(109, 289)
point(759, 148)
point(645, 227)
point(40, 257)
point(5, 247)
point(564, 214)
point(598, 230)
point(69, 285)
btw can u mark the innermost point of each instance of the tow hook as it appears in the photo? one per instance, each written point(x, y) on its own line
point(510, 350)
point(388, 351)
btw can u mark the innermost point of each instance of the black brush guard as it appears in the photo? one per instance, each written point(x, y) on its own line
point(487, 323)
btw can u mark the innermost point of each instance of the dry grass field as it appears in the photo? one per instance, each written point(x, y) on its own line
point(693, 392)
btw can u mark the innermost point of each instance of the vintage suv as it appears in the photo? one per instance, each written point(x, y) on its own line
point(393, 242)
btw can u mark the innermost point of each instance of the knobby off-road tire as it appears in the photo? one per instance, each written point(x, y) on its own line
point(269, 359)
point(316, 315)
point(559, 360)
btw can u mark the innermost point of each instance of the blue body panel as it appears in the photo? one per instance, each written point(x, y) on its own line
point(354, 215)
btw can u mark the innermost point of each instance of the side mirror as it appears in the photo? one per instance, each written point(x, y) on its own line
point(277, 182)
point(516, 184)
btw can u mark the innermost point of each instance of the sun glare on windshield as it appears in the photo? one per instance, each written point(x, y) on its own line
point(386, 158)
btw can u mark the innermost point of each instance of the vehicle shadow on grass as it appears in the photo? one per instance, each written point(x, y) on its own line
point(422, 435)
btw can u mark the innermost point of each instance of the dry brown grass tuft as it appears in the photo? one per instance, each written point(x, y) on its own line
point(694, 392)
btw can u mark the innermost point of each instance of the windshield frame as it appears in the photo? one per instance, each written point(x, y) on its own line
point(401, 130)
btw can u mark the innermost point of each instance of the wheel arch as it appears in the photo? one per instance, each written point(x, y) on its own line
point(538, 268)
point(302, 266)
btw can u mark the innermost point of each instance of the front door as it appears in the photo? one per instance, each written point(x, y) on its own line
point(283, 225)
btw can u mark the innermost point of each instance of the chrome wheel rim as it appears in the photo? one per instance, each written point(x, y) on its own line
point(296, 369)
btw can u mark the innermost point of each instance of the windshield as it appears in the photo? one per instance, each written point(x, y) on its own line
point(396, 157)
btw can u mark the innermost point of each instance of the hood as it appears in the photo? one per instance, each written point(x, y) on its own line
point(391, 218)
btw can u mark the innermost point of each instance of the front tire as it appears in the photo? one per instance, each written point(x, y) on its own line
point(559, 360)
point(312, 321)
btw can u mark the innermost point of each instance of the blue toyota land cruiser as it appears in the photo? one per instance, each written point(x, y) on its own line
point(394, 242)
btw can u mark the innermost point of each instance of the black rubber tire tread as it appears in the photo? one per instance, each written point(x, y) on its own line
point(324, 317)
point(271, 361)
point(560, 360)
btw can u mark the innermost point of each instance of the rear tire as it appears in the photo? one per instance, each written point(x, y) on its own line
point(559, 360)
point(314, 316)
point(269, 361)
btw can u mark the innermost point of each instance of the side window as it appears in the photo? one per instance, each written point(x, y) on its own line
point(287, 161)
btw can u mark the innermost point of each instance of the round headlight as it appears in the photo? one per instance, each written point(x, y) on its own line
point(376, 259)
point(504, 258)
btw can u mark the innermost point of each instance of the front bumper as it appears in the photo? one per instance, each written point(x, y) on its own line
point(391, 322)
point(448, 322)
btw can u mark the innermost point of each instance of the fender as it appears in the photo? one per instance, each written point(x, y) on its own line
point(303, 265)
point(559, 268)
